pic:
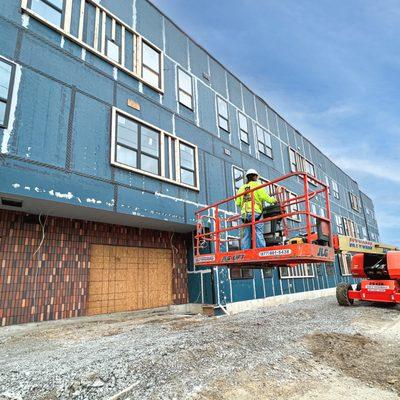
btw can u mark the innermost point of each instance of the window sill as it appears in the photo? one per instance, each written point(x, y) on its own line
point(150, 175)
point(297, 277)
point(185, 107)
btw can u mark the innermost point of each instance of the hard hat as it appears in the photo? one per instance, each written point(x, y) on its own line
point(251, 171)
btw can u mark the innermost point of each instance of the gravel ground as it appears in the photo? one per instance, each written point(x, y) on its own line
point(305, 350)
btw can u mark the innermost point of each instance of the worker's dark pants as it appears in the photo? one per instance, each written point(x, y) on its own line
point(246, 239)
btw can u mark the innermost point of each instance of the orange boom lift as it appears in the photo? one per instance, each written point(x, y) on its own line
point(381, 279)
point(308, 240)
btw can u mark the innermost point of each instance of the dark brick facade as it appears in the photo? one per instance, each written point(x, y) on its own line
point(53, 283)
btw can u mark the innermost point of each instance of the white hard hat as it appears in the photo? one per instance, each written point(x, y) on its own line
point(251, 171)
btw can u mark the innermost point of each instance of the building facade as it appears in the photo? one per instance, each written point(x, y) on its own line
point(115, 127)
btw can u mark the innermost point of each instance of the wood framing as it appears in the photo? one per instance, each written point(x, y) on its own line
point(170, 146)
point(101, 16)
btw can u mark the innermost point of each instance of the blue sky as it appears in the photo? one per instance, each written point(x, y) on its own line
point(332, 71)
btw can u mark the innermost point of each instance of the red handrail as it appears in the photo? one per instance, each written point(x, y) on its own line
point(287, 212)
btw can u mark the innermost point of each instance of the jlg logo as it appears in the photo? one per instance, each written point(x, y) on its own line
point(237, 257)
point(322, 252)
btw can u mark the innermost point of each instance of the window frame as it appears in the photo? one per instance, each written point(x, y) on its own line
point(173, 148)
point(295, 272)
point(299, 163)
point(345, 263)
point(241, 271)
point(8, 100)
point(191, 95)
point(220, 116)
point(143, 65)
point(241, 130)
point(339, 224)
point(269, 154)
point(355, 202)
point(99, 46)
point(335, 189)
point(48, 3)
point(234, 167)
point(186, 168)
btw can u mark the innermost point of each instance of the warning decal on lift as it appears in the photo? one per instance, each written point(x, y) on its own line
point(204, 258)
point(377, 288)
point(274, 253)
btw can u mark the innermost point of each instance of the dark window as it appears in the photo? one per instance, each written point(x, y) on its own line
point(6, 77)
point(241, 273)
point(138, 146)
point(185, 89)
point(223, 114)
point(50, 10)
point(264, 141)
point(151, 65)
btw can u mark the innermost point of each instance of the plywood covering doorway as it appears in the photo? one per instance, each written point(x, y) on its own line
point(128, 278)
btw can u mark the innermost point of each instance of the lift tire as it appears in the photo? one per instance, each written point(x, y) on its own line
point(342, 294)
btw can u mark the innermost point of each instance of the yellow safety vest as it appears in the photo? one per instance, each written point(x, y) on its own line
point(260, 196)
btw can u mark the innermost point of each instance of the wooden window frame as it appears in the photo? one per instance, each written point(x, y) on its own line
point(345, 263)
point(298, 272)
point(186, 168)
point(99, 42)
point(7, 101)
point(335, 189)
point(339, 224)
point(243, 131)
point(234, 167)
point(143, 65)
point(180, 70)
point(220, 116)
point(267, 150)
point(355, 202)
point(173, 147)
point(299, 163)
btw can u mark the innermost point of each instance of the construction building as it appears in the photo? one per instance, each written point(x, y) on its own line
point(115, 127)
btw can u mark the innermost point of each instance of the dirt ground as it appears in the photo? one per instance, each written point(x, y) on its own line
point(305, 350)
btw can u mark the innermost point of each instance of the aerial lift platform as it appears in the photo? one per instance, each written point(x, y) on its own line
point(288, 243)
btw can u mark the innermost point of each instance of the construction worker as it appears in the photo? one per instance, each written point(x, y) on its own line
point(244, 202)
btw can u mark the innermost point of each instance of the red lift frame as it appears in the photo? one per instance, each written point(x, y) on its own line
point(218, 216)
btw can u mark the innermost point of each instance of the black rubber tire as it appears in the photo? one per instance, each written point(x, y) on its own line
point(342, 294)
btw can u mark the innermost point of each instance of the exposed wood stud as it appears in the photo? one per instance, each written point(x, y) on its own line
point(81, 19)
point(96, 29)
point(113, 29)
point(123, 46)
point(67, 16)
point(98, 47)
point(103, 33)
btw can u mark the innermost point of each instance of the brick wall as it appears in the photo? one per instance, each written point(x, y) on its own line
point(53, 283)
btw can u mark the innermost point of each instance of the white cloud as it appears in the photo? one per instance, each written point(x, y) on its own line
point(379, 168)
